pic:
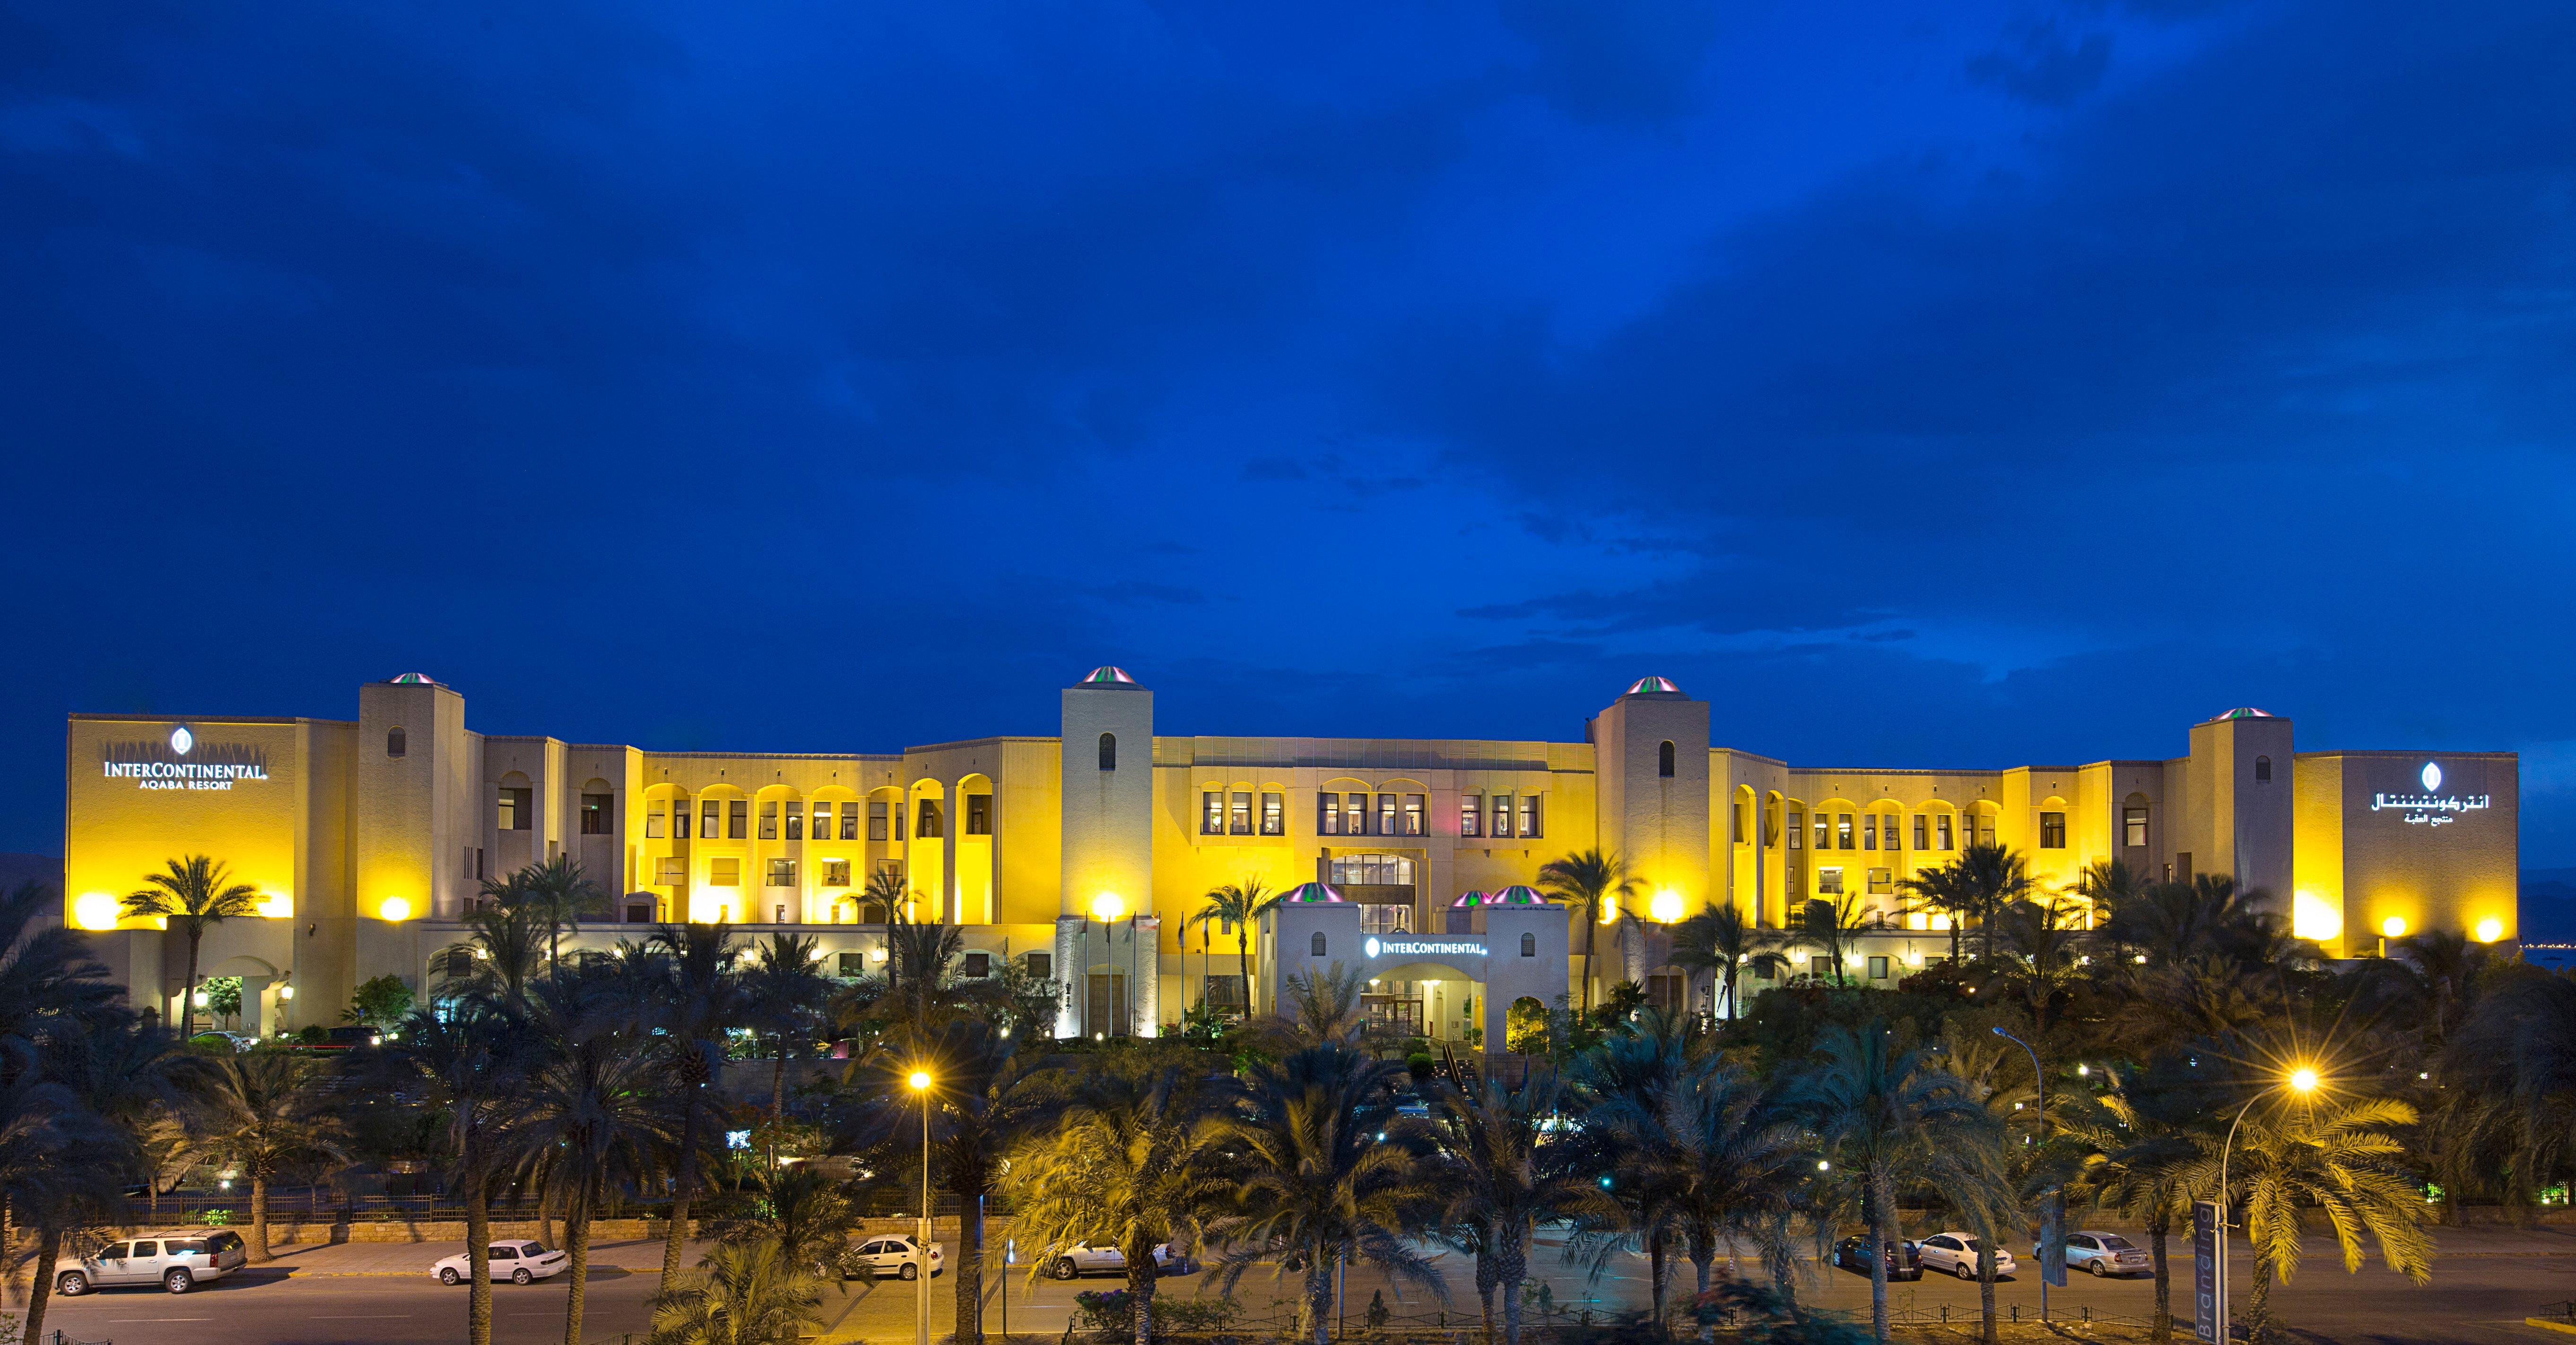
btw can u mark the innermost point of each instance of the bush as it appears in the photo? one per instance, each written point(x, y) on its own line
point(215, 1218)
point(1421, 1065)
point(1111, 1315)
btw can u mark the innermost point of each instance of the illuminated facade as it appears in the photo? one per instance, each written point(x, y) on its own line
point(1091, 852)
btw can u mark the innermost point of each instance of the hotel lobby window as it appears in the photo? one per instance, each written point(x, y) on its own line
point(1274, 814)
point(1370, 871)
point(877, 823)
point(595, 814)
point(979, 814)
point(2133, 827)
point(1471, 814)
point(1386, 917)
point(782, 873)
point(1239, 815)
point(674, 871)
point(1829, 882)
point(2052, 831)
point(513, 805)
point(1211, 812)
point(1797, 829)
point(836, 873)
point(738, 819)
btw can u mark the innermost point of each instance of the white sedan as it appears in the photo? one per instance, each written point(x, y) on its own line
point(1956, 1254)
point(1084, 1259)
point(517, 1262)
point(893, 1254)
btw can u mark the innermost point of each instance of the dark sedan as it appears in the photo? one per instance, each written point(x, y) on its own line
point(1853, 1254)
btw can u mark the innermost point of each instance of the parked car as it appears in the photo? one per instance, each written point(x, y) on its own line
point(1902, 1264)
point(895, 1254)
point(518, 1261)
point(2103, 1254)
point(177, 1262)
point(1956, 1253)
point(1084, 1259)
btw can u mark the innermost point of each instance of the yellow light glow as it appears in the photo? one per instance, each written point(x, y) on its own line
point(1609, 910)
point(1913, 959)
point(1108, 907)
point(286, 992)
point(1940, 922)
point(2314, 917)
point(920, 1079)
point(96, 910)
point(1917, 920)
point(276, 906)
point(814, 956)
point(2394, 926)
point(2303, 1080)
point(394, 908)
point(2490, 930)
point(1668, 906)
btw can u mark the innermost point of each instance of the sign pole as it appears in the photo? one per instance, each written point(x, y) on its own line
point(2209, 1272)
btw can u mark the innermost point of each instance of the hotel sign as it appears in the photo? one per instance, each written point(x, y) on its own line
point(2431, 808)
point(1424, 947)
point(183, 763)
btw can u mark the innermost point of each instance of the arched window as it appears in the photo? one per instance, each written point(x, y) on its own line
point(1109, 751)
point(1316, 944)
point(394, 742)
point(1664, 759)
point(2262, 770)
point(1529, 945)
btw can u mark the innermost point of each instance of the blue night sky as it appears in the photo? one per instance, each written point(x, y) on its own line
point(1953, 383)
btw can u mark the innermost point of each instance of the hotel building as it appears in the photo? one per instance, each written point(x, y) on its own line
point(1087, 856)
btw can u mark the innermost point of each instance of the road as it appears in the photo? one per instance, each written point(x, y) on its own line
point(2483, 1285)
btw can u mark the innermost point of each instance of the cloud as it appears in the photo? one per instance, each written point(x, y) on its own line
point(2041, 65)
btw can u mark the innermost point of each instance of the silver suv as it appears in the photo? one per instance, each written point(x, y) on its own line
point(177, 1262)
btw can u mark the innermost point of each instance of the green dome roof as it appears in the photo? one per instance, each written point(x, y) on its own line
point(1652, 686)
point(1107, 675)
point(1519, 894)
point(1312, 892)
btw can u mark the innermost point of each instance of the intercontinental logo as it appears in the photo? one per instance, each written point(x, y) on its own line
point(178, 763)
point(2432, 808)
point(1375, 947)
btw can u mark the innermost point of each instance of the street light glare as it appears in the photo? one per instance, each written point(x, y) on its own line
point(2303, 1080)
point(920, 1080)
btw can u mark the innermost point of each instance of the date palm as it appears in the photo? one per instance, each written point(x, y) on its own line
point(1720, 940)
point(1502, 1176)
point(784, 991)
point(746, 1292)
point(505, 949)
point(1996, 876)
point(696, 996)
point(2138, 1145)
point(1587, 880)
point(567, 894)
point(1240, 905)
point(1834, 925)
point(261, 1112)
point(1728, 1164)
point(1949, 892)
point(465, 1062)
point(195, 893)
point(112, 1083)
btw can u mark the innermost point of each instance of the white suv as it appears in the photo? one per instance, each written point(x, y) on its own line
point(892, 1254)
point(177, 1262)
point(1956, 1254)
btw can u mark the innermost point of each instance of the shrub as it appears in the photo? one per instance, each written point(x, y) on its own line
point(1110, 1314)
point(215, 1218)
point(1421, 1064)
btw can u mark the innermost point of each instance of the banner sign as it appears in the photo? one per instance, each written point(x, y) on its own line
point(2209, 1272)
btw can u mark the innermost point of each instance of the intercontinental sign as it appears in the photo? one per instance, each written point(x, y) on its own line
point(152, 766)
point(2430, 809)
point(1424, 947)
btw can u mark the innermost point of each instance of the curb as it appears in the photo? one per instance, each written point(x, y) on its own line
point(2551, 1324)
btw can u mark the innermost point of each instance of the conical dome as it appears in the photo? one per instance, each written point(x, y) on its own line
point(1304, 892)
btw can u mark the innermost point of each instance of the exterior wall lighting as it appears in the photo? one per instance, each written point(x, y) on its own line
point(2490, 930)
point(1108, 907)
point(395, 909)
point(2394, 926)
point(96, 910)
point(1668, 906)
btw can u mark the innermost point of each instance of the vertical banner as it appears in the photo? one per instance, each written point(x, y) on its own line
point(2209, 1271)
point(2052, 1240)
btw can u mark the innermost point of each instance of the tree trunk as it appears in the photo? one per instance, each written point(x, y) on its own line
point(1986, 1288)
point(683, 1185)
point(478, 1259)
point(188, 997)
point(1140, 1287)
point(1243, 964)
point(1487, 1276)
point(1591, 927)
point(1655, 1277)
point(49, 1247)
point(576, 1246)
point(1319, 1294)
point(778, 1083)
point(259, 1217)
point(2164, 1282)
point(1880, 1207)
point(1515, 1264)
point(969, 1269)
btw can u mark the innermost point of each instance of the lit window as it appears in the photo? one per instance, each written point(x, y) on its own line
point(782, 873)
point(1328, 814)
point(1829, 882)
point(1413, 808)
point(1355, 814)
point(1471, 815)
point(849, 821)
point(1869, 832)
point(1529, 815)
point(836, 873)
point(1238, 821)
point(1941, 830)
point(1664, 759)
point(514, 808)
point(1386, 917)
point(878, 813)
point(2052, 831)
point(596, 814)
point(1274, 814)
point(1386, 810)
point(1843, 831)
point(979, 814)
point(2133, 826)
point(1211, 813)
point(1797, 829)
point(1502, 815)
point(822, 822)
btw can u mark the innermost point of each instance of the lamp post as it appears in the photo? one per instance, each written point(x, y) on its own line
point(920, 1082)
point(2039, 1091)
point(2301, 1081)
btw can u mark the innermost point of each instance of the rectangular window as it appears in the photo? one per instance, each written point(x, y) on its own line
point(1820, 967)
point(1502, 815)
point(1797, 829)
point(927, 824)
point(782, 873)
point(514, 810)
point(853, 965)
point(2133, 826)
point(1878, 969)
point(1471, 814)
point(675, 870)
point(1225, 992)
point(1355, 814)
point(769, 821)
point(2052, 831)
point(738, 819)
point(711, 819)
point(849, 821)
point(1829, 882)
point(1882, 882)
point(595, 814)
point(1869, 832)
point(1274, 814)
point(1414, 805)
point(1386, 917)
point(1735, 824)
point(724, 873)
point(1922, 831)
point(877, 822)
point(979, 814)
point(795, 823)
point(1941, 829)
point(975, 966)
point(1842, 831)
point(679, 819)
point(822, 822)
point(1529, 815)
point(836, 873)
point(1041, 965)
point(1328, 814)
point(1238, 818)
point(653, 825)
point(1370, 871)
point(1387, 807)
point(1211, 813)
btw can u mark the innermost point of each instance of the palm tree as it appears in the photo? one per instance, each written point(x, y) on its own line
point(458, 1062)
point(592, 1115)
point(1318, 1183)
point(2045, 942)
point(1831, 925)
point(1126, 1168)
point(1996, 876)
point(1586, 879)
point(2106, 885)
point(1890, 1114)
point(505, 948)
point(566, 893)
point(1726, 1164)
point(2139, 1143)
point(696, 998)
point(805, 1212)
point(1323, 1008)
point(199, 894)
point(2176, 922)
point(1949, 892)
point(1719, 939)
point(886, 891)
point(748, 1292)
point(1502, 1178)
point(784, 991)
point(261, 1113)
point(2509, 1086)
point(1239, 905)
point(919, 956)
point(2338, 1157)
point(114, 1082)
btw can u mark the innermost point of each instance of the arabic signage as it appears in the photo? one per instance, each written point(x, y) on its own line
point(1424, 947)
point(2431, 808)
point(181, 762)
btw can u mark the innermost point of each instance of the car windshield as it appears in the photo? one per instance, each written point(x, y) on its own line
point(2113, 1242)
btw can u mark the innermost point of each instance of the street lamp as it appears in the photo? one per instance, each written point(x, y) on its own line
point(2302, 1081)
point(2049, 1221)
point(920, 1081)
